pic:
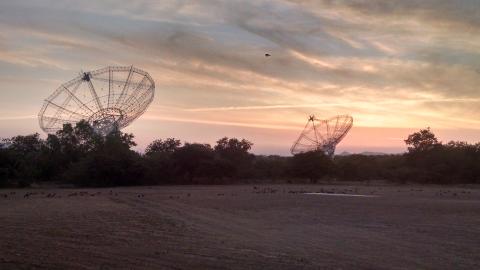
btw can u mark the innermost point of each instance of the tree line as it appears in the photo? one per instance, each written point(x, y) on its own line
point(77, 155)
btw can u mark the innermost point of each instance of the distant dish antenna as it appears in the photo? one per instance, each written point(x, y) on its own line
point(109, 98)
point(322, 135)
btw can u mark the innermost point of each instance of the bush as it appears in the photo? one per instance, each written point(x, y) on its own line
point(312, 165)
point(78, 155)
point(191, 161)
point(3, 177)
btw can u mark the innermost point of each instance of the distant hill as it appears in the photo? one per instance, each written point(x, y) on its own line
point(367, 153)
point(373, 153)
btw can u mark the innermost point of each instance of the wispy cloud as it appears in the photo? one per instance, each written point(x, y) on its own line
point(18, 117)
point(388, 63)
point(266, 107)
point(218, 123)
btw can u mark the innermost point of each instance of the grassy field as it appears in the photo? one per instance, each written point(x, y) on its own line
point(241, 227)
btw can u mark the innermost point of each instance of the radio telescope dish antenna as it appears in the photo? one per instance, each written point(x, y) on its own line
point(322, 135)
point(109, 98)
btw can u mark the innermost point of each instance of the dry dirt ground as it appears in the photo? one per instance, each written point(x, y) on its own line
point(241, 227)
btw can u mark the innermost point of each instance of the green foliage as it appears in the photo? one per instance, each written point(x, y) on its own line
point(159, 168)
point(233, 147)
point(107, 161)
point(79, 156)
point(270, 167)
point(107, 168)
point(191, 161)
point(233, 157)
point(312, 165)
point(362, 167)
point(20, 158)
point(455, 162)
point(169, 145)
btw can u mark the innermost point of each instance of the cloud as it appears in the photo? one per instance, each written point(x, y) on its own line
point(266, 107)
point(18, 117)
point(388, 63)
point(442, 13)
point(219, 123)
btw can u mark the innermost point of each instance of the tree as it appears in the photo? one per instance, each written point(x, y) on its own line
point(421, 141)
point(233, 145)
point(270, 167)
point(23, 151)
point(169, 145)
point(312, 165)
point(88, 140)
point(192, 160)
point(110, 162)
point(234, 154)
point(25, 145)
point(5, 166)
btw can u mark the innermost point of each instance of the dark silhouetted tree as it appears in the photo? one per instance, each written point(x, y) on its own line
point(270, 167)
point(168, 145)
point(23, 153)
point(105, 161)
point(422, 140)
point(312, 165)
point(25, 145)
point(193, 160)
point(160, 168)
point(233, 156)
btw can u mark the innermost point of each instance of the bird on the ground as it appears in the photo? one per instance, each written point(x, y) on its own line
point(267, 55)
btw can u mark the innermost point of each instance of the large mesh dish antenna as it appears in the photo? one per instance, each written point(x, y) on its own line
point(322, 135)
point(108, 98)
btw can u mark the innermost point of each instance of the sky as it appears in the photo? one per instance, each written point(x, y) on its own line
point(395, 66)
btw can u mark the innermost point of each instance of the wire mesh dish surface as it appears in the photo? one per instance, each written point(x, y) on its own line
point(108, 98)
point(322, 135)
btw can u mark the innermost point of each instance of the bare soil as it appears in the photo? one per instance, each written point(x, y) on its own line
point(241, 227)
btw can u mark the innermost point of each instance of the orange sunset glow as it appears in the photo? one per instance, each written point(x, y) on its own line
point(395, 67)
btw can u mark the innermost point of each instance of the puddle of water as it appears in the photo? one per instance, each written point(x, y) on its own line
point(339, 194)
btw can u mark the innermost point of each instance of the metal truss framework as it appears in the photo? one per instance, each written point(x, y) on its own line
point(107, 98)
point(322, 135)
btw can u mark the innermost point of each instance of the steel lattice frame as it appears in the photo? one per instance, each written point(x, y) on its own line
point(322, 135)
point(107, 98)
